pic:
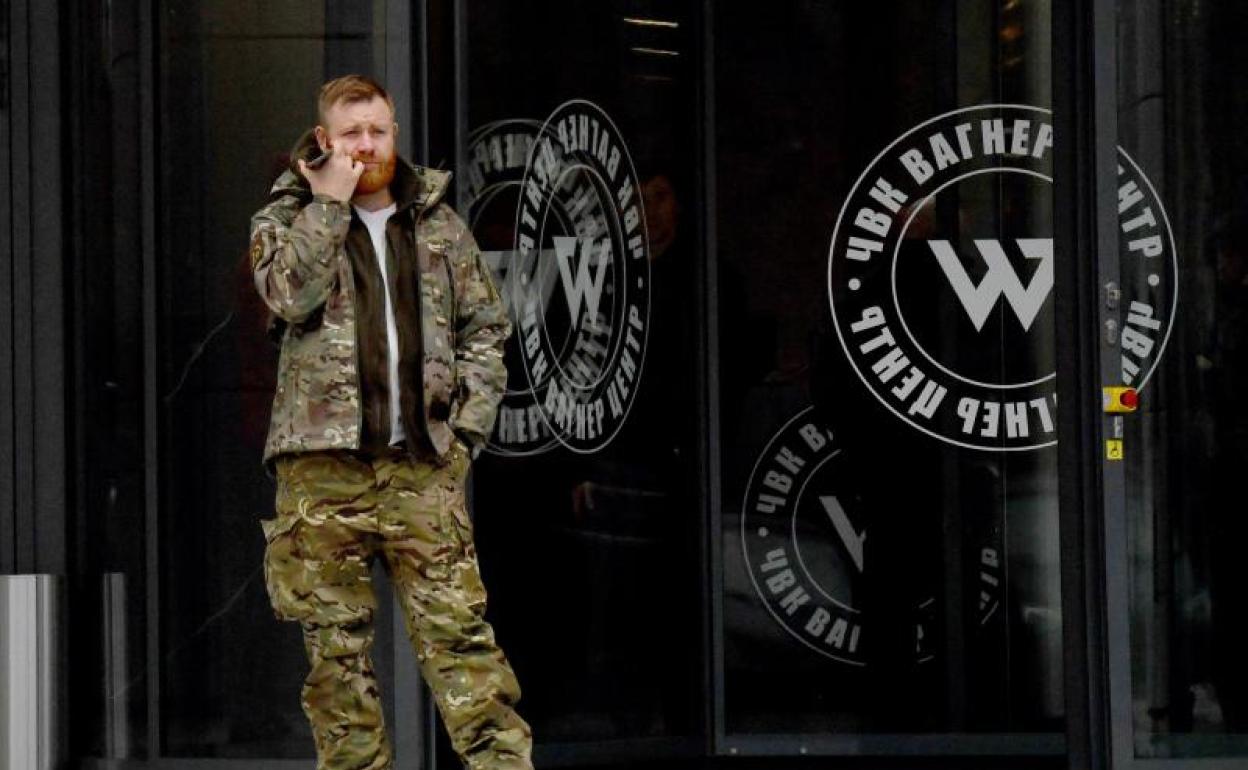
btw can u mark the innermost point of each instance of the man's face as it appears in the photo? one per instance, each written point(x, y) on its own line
point(367, 131)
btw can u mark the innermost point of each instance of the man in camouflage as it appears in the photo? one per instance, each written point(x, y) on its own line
point(389, 378)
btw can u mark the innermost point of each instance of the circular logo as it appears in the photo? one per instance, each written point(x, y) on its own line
point(940, 277)
point(499, 155)
point(804, 544)
point(581, 298)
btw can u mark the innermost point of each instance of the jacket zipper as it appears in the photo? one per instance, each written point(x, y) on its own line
point(355, 354)
point(420, 321)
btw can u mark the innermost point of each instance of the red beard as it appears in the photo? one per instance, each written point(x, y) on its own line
point(376, 177)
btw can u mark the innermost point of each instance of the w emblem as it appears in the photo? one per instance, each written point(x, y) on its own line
point(582, 285)
point(978, 301)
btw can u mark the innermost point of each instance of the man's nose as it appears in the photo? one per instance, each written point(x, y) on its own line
point(365, 144)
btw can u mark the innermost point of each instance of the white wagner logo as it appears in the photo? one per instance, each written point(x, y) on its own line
point(940, 277)
point(807, 553)
point(1000, 279)
point(582, 287)
point(580, 224)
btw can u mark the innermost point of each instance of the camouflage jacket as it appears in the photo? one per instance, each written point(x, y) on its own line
point(303, 273)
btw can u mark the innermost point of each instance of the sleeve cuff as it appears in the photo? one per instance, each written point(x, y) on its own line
point(333, 214)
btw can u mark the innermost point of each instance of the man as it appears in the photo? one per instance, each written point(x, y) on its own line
point(390, 374)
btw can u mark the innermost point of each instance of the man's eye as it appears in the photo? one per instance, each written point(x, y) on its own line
point(352, 132)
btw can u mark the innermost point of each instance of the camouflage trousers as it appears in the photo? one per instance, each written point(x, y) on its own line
point(336, 513)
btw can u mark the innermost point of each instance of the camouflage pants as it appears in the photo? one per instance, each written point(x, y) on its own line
point(336, 513)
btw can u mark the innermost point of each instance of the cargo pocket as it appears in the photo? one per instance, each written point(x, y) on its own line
point(283, 570)
point(282, 567)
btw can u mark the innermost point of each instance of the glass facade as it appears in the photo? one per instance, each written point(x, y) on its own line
point(879, 508)
point(776, 474)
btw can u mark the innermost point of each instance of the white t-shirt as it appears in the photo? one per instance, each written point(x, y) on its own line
point(375, 221)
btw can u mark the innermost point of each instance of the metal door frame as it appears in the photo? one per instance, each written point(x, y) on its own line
point(33, 359)
point(1084, 250)
point(1095, 545)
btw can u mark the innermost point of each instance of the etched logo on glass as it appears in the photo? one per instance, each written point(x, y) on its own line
point(941, 276)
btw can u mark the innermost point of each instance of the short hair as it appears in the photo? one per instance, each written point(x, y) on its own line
point(350, 88)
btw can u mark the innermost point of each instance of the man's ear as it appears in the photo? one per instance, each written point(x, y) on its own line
point(322, 139)
point(396, 128)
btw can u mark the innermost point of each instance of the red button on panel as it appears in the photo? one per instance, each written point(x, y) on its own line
point(1120, 399)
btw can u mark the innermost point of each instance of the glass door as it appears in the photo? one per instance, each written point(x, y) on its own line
point(579, 175)
point(1178, 295)
point(885, 456)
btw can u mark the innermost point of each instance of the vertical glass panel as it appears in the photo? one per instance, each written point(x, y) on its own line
point(588, 522)
point(886, 374)
point(1183, 226)
point(237, 85)
point(107, 613)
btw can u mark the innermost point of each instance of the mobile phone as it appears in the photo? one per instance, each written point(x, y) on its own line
point(319, 160)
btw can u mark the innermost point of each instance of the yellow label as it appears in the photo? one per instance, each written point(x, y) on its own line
point(1113, 449)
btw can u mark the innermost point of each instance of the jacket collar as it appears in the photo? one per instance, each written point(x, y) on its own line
point(413, 185)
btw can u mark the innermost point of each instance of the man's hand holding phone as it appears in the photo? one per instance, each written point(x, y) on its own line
point(336, 176)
